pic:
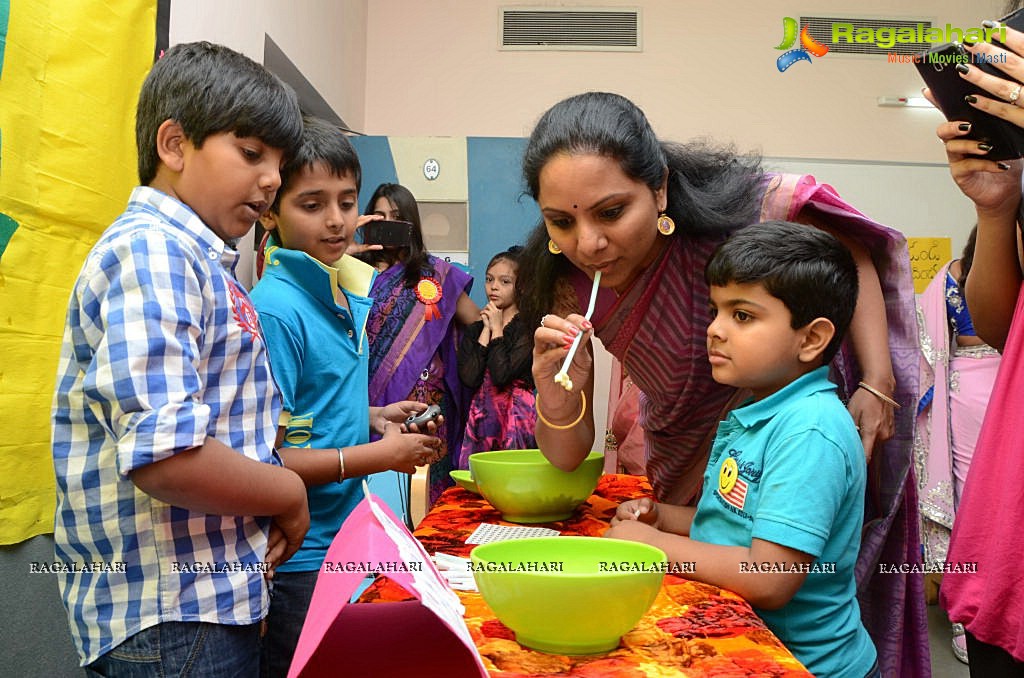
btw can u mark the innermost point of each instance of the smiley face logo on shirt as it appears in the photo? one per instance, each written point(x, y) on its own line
point(727, 476)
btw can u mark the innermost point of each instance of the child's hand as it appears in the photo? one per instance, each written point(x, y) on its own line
point(633, 530)
point(410, 450)
point(276, 545)
point(358, 247)
point(491, 315)
point(288, 529)
point(397, 413)
point(644, 510)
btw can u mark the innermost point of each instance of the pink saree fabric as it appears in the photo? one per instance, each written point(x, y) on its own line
point(947, 427)
point(987, 530)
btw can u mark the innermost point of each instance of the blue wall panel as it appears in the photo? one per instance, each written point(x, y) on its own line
point(501, 212)
point(377, 163)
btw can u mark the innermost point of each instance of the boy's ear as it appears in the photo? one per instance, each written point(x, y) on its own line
point(817, 334)
point(170, 141)
point(268, 220)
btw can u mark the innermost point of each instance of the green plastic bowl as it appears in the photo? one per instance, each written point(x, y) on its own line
point(464, 479)
point(568, 595)
point(526, 488)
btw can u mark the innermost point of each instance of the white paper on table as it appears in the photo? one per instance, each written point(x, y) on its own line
point(485, 533)
point(437, 595)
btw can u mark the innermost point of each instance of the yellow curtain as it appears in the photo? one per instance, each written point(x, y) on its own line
point(69, 77)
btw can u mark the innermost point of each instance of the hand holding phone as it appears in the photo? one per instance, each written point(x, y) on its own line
point(388, 233)
point(937, 68)
point(427, 415)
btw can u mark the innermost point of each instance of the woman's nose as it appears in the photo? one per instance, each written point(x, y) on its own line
point(590, 239)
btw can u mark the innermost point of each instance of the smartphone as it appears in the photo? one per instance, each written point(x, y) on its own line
point(388, 233)
point(937, 67)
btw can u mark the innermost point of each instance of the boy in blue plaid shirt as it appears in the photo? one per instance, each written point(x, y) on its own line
point(165, 413)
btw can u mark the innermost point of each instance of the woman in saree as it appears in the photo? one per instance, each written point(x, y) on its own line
point(647, 215)
point(421, 303)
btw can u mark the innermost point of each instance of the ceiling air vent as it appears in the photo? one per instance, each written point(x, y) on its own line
point(546, 28)
point(821, 29)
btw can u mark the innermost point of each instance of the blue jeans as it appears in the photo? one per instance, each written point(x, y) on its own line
point(290, 595)
point(184, 649)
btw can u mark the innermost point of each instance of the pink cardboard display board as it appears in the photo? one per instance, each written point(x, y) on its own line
point(426, 638)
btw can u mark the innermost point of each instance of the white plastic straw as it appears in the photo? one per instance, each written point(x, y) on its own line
point(562, 378)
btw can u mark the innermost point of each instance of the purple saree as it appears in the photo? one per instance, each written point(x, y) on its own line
point(661, 321)
point(412, 354)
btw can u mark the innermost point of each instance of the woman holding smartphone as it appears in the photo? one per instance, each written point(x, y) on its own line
point(421, 303)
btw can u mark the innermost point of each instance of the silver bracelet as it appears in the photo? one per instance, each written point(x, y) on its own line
point(341, 465)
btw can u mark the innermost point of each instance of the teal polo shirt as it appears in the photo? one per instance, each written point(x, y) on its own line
point(320, 360)
point(790, 469)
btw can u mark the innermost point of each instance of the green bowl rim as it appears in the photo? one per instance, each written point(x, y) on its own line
point(486, 456)
point(664, 557)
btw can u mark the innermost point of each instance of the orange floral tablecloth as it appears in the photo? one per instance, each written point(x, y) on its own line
point(692, 629)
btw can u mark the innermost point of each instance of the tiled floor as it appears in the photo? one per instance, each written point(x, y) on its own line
point(944, 664)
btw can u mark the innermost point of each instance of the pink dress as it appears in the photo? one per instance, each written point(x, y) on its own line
point(987, 537)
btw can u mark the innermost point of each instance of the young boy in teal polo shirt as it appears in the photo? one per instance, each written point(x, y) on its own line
point(780, 516)
point(313, 305)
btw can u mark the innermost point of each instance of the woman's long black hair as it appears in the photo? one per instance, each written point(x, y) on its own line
point(711, 189)
point(967, 259)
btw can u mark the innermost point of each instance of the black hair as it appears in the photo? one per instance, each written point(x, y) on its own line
point(321, 142)
point(512, 254)
point(967, 259)
point(711, 189)
point(417, 262)
point(809, 270)
point(208, 89)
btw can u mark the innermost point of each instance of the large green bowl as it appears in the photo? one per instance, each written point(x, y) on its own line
point(464, 479)
point(526, 488)
point(568, 595)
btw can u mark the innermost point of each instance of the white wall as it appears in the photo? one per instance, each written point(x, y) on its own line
point(325, 39)
point(412, 68)
point(707, 69)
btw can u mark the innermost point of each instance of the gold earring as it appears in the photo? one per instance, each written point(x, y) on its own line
point(553, 248)
point(666, 226)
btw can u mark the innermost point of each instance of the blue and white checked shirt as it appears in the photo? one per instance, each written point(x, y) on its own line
point(161, 349)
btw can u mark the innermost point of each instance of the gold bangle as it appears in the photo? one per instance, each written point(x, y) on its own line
point(881, 396)
point(558, 427)
point(341, 465)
